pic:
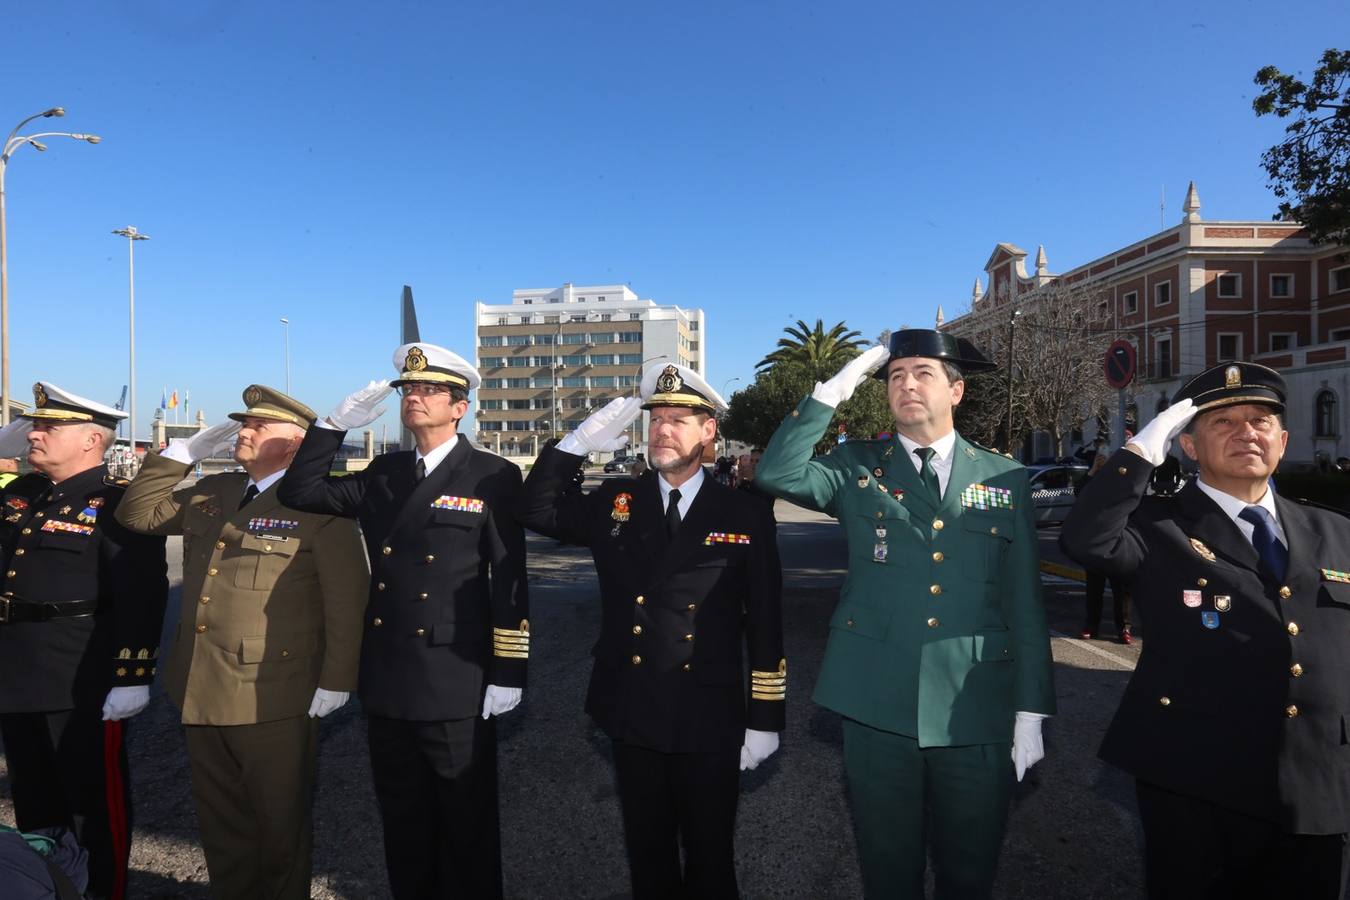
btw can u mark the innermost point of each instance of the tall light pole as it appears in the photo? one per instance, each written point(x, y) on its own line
point(1012, 335)
point(286, 335)
point(132, 236)
point(12, 143)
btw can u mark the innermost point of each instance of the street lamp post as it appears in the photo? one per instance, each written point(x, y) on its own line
point(132, 236)
point(1012, 335)
point(286, 336)
point(12, 143)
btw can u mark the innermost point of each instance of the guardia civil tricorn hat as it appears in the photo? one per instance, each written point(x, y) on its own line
point(54, 405)
point(932, 344)
point(420, 363)
point(1232, 384)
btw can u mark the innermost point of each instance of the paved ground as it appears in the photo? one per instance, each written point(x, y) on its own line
point(1071, 834)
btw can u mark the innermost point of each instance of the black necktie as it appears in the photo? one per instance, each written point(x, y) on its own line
point(928, 475)
point(419, 471)
point(249, 494)
point(1274, 555)
point(673, 513)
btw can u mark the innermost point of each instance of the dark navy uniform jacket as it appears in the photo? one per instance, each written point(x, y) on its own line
point(61, 546)
point(1252, 714)
point(449, 608)
point(669, 669)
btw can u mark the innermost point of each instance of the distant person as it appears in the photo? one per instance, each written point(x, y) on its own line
point(1095, 589)
point(9, 470)
point(747, 466)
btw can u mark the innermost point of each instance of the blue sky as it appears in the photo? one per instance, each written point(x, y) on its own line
point(764, 161)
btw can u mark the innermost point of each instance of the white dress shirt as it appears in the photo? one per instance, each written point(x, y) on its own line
point(1232, 507)
point(434, 458)
point(267, 481)
point(688, 491)
point(942, 456)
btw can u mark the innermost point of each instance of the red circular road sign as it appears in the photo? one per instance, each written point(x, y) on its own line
point(1120, 364)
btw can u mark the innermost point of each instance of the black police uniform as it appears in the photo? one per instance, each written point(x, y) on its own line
point(669, 683)
point(1234, 723)
point(82, 607)
point(447, 616)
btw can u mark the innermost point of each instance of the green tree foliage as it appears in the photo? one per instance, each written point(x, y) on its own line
point(1310, 169)
point(820, 352)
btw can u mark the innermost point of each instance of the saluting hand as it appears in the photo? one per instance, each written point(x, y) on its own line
point(14, 438)
point(855, 371)
point(360, 408)
point(603, 430)
point(1154, 439)
point(205, 444)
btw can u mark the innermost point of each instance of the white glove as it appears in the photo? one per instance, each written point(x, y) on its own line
point(603, 430)
point(759, 746)
point(361, 407)
point(326, 702)
point(205, 444)
point(1028, 748)
point(499, 700)
point(1154, 439)
point(125, 702)
point(855, 371)
point(14, 438)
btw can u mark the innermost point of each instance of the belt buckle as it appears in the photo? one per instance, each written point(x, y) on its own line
point(4, 610)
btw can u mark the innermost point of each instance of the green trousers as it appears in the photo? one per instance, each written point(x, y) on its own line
point(902, 795)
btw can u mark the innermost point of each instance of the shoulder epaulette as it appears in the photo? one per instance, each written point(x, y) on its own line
point(116, 480)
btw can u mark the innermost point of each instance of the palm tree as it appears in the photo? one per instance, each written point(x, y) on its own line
point(821, 352)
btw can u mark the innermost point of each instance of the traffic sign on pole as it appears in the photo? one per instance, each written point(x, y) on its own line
point(1120, 364)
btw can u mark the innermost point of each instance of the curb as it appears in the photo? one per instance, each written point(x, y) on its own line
point(1051, 568)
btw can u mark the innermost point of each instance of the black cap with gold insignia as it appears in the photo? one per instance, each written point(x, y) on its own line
point(264, 402)
point(420, 363)
point(932, 344)
point(667, 384)
point(1232, 384)
point(54, 405)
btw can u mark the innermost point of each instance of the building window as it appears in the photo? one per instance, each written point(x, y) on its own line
point(1162, 293)
point(1230, 285)
point(517, 404)
point(580, 317)
point(492, 340)
point(1163, 359)
point(1283, 340)
point(602, 299)
point(1324, 414)
point(519, 383)
point(544, 339)
point(518, 425)
point(630, 337)
point(577, 360)
point(537, 382)
point(1340, 279)
point(489, 426)
point(524, 320)
point(1281, 286)
point(517, 340)
point(693, 366)
point(633, 317)
point(630, 359)
point(1339, 334)
point(1230, 347)
point(602, 359)
point(489, 404)
point(492, 362)
point(518, 362)
point(605, 317)
point(604, 337)
point(693, 326)
point(551, 320)
point(493, 383)
point(502, 320)
point(625, 380)
point(602, 381)
point(1131, 302)
point(574, 338)
point(528, 302)
point(574, 381)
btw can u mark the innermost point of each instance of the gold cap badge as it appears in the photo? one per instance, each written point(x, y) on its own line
point(253, 396)
point(39, 395)
point(1232, 377)
point(416, 361)
point(669, 381)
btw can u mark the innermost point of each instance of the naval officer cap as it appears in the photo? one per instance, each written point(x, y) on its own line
point(1232, 384)
point(52, 405)
point(666, 384)
point(419, 363)
point(925, 342)
point(263, 402)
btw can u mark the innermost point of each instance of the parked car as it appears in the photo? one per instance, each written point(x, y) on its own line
point(1052, 490)
point(618, 464)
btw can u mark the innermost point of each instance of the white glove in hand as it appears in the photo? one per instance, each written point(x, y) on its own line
point(206, 444)
point(1028, 748)
point(125, 702)
point(841, 386)
point(603, 430)
point(326, 702)
point(361, 407)
point(1153, 441)
point(499, 700)
point(14, 438)
point(759, 746)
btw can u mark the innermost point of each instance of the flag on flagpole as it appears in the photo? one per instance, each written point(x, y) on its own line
point(173, 400)
point(163, 398)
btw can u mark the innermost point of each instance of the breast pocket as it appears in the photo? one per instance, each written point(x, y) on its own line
point(986, 538)
point(65, 542)
point(460, 519)
point(263, 560)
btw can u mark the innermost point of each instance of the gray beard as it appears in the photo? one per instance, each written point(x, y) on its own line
point(677, 465)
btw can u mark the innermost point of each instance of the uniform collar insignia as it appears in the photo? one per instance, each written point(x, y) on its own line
point(1199, 547)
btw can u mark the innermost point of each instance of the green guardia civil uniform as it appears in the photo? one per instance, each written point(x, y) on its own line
point(938, 640)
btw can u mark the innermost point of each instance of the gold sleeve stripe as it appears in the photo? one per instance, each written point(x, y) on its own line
point(511, 639)
point(769, 685)
point(760, 695)
point(510, 654)
point(512, 643)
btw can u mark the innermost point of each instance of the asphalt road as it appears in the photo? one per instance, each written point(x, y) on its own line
point(1072, 831)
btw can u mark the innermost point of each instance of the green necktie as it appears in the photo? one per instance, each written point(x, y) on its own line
point(928, 475)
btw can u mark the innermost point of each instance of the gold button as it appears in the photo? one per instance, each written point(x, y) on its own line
point(20, 552)
point(1123, 471)
point(212, 571)
point(11, 573)
point(1201, 582)
point(421, 632)
point(938, 525)
point(204, 599)
point(993, 530)
point(937, 556)
point(935, 589)
point(693, 606)
point(850, 623)
point(688, 637)
point(285, 653)
point(380, 586)
point(641, 600)
point(1291, 710)
point(267, 548)
point(42, 515)
point(1296, 670)
point(1292, 628)
point(377, 622)
point(1164, 701)
point(796, 413)
point(28, 531)
point(685, 667)
point(637, 629)
point(1285, 593)
point(423, 596)
point(637, 660)
point(879, 514)
point(9, 593)
point(220, 545)
point(431, 557)
point(933, 623)
point(387, 550)
point(201, 629)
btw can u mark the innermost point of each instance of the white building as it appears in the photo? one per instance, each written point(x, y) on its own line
point(552, 355)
